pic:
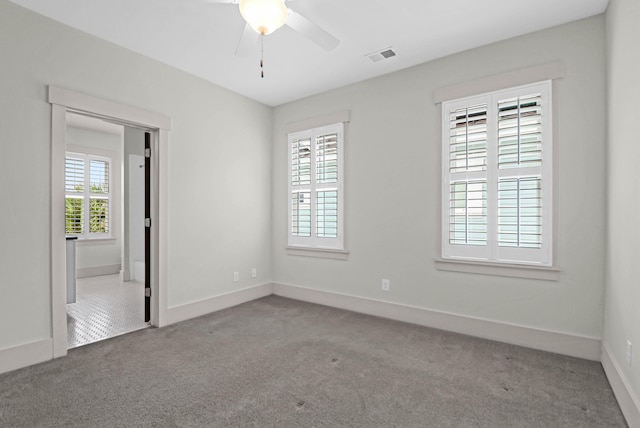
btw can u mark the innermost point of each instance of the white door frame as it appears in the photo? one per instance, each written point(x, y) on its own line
point(63, 100)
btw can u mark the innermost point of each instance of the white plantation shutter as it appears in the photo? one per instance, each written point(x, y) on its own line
point(520, 212)
point(520, 132)
point(468, 212)
point(326, 185)
point(74, 175)
point(497, 177)
point(301, 162)
point(315, 187)
point(327, 214)
point(99, 196)
point(520, 154)
point(467, 164)
point(87, 196)
point(468, 139)
point(74, 195)
point(300, 182)
point(301, 213)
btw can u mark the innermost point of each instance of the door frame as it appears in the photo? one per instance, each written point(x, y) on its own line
point(63, 101)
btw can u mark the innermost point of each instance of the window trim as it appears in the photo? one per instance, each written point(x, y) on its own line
point(479, 261)
point(314, 246)
point(88, 154)
point(512, 270)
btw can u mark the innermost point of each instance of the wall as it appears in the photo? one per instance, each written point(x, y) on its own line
point(218, 168)
point(393, 189)
point(133, 145)
point(100, 253)
point(622, 317)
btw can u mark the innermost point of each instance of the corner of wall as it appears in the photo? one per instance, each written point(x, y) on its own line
point(628, 401)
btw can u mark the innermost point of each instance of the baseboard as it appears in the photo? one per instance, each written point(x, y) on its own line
point(125, 275)
point(557, 342)
point(202, 307)
point(25, 355)
point(628, 401)
point(97, 271)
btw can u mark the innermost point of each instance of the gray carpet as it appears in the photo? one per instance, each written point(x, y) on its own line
point(277, 362)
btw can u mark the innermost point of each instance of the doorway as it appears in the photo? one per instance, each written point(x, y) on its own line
point(62, 102)
point(104, 219)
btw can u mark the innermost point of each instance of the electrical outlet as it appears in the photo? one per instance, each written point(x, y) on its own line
point(254, 273)
point(236, 276)
point(629, 349)
point(386, 285)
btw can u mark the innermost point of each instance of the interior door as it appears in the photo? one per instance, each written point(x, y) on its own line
point(147, 228)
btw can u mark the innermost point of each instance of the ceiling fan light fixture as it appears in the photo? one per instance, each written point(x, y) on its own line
point(264, 16)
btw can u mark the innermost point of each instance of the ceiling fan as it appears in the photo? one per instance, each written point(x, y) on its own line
point(265, 16)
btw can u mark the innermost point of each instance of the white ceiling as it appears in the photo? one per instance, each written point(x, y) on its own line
point(200, 38)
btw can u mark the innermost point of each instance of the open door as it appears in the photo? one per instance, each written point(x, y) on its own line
point(147, 228)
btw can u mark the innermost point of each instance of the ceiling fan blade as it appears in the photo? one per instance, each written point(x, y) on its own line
point(247, 41)
point(310, 30)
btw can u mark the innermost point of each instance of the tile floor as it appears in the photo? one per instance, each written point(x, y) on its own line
point(105, 307)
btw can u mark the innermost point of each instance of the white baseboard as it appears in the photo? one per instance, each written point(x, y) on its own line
point(213, 304)
point(628, 401)
point(560, 343)
point(125, 275)
point(21, 356)
point(97, 271)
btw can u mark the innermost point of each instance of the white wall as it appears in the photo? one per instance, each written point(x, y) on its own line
point(218, 167)
point(622, 308)
point(133, 145)
point(136, 199)
point(393, 188)
point(92, 254)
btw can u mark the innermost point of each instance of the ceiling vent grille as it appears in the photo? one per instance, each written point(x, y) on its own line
point(381, 55)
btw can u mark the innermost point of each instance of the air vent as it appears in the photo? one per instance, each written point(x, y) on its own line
point(381, 55)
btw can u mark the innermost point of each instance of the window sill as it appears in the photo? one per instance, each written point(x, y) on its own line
point(324, 253)
point(546, 273)
point(95, 241)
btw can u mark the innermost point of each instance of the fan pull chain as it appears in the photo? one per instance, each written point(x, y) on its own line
point(262, 56)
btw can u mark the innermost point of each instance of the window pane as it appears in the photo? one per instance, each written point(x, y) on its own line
point(99, 176)
point(468, 139)
point(73, 175)
point(520, 212)
point(468, 213)
point(520, 132)
point(327, 158)
point(301, 214)
point(98, 215)
point(301, 162)
point(327, 214)
point(74, 215)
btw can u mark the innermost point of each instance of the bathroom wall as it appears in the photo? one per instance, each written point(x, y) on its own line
point(101, 256)
point(133, 146)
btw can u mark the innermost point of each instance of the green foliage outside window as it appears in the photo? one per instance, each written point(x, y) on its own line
point(98, 212)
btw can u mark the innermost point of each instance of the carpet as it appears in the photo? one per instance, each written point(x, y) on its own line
point(277, 362)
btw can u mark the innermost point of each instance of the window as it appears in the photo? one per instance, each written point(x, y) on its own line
point(497, 176)
point(316, 188)
point(87, 196)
